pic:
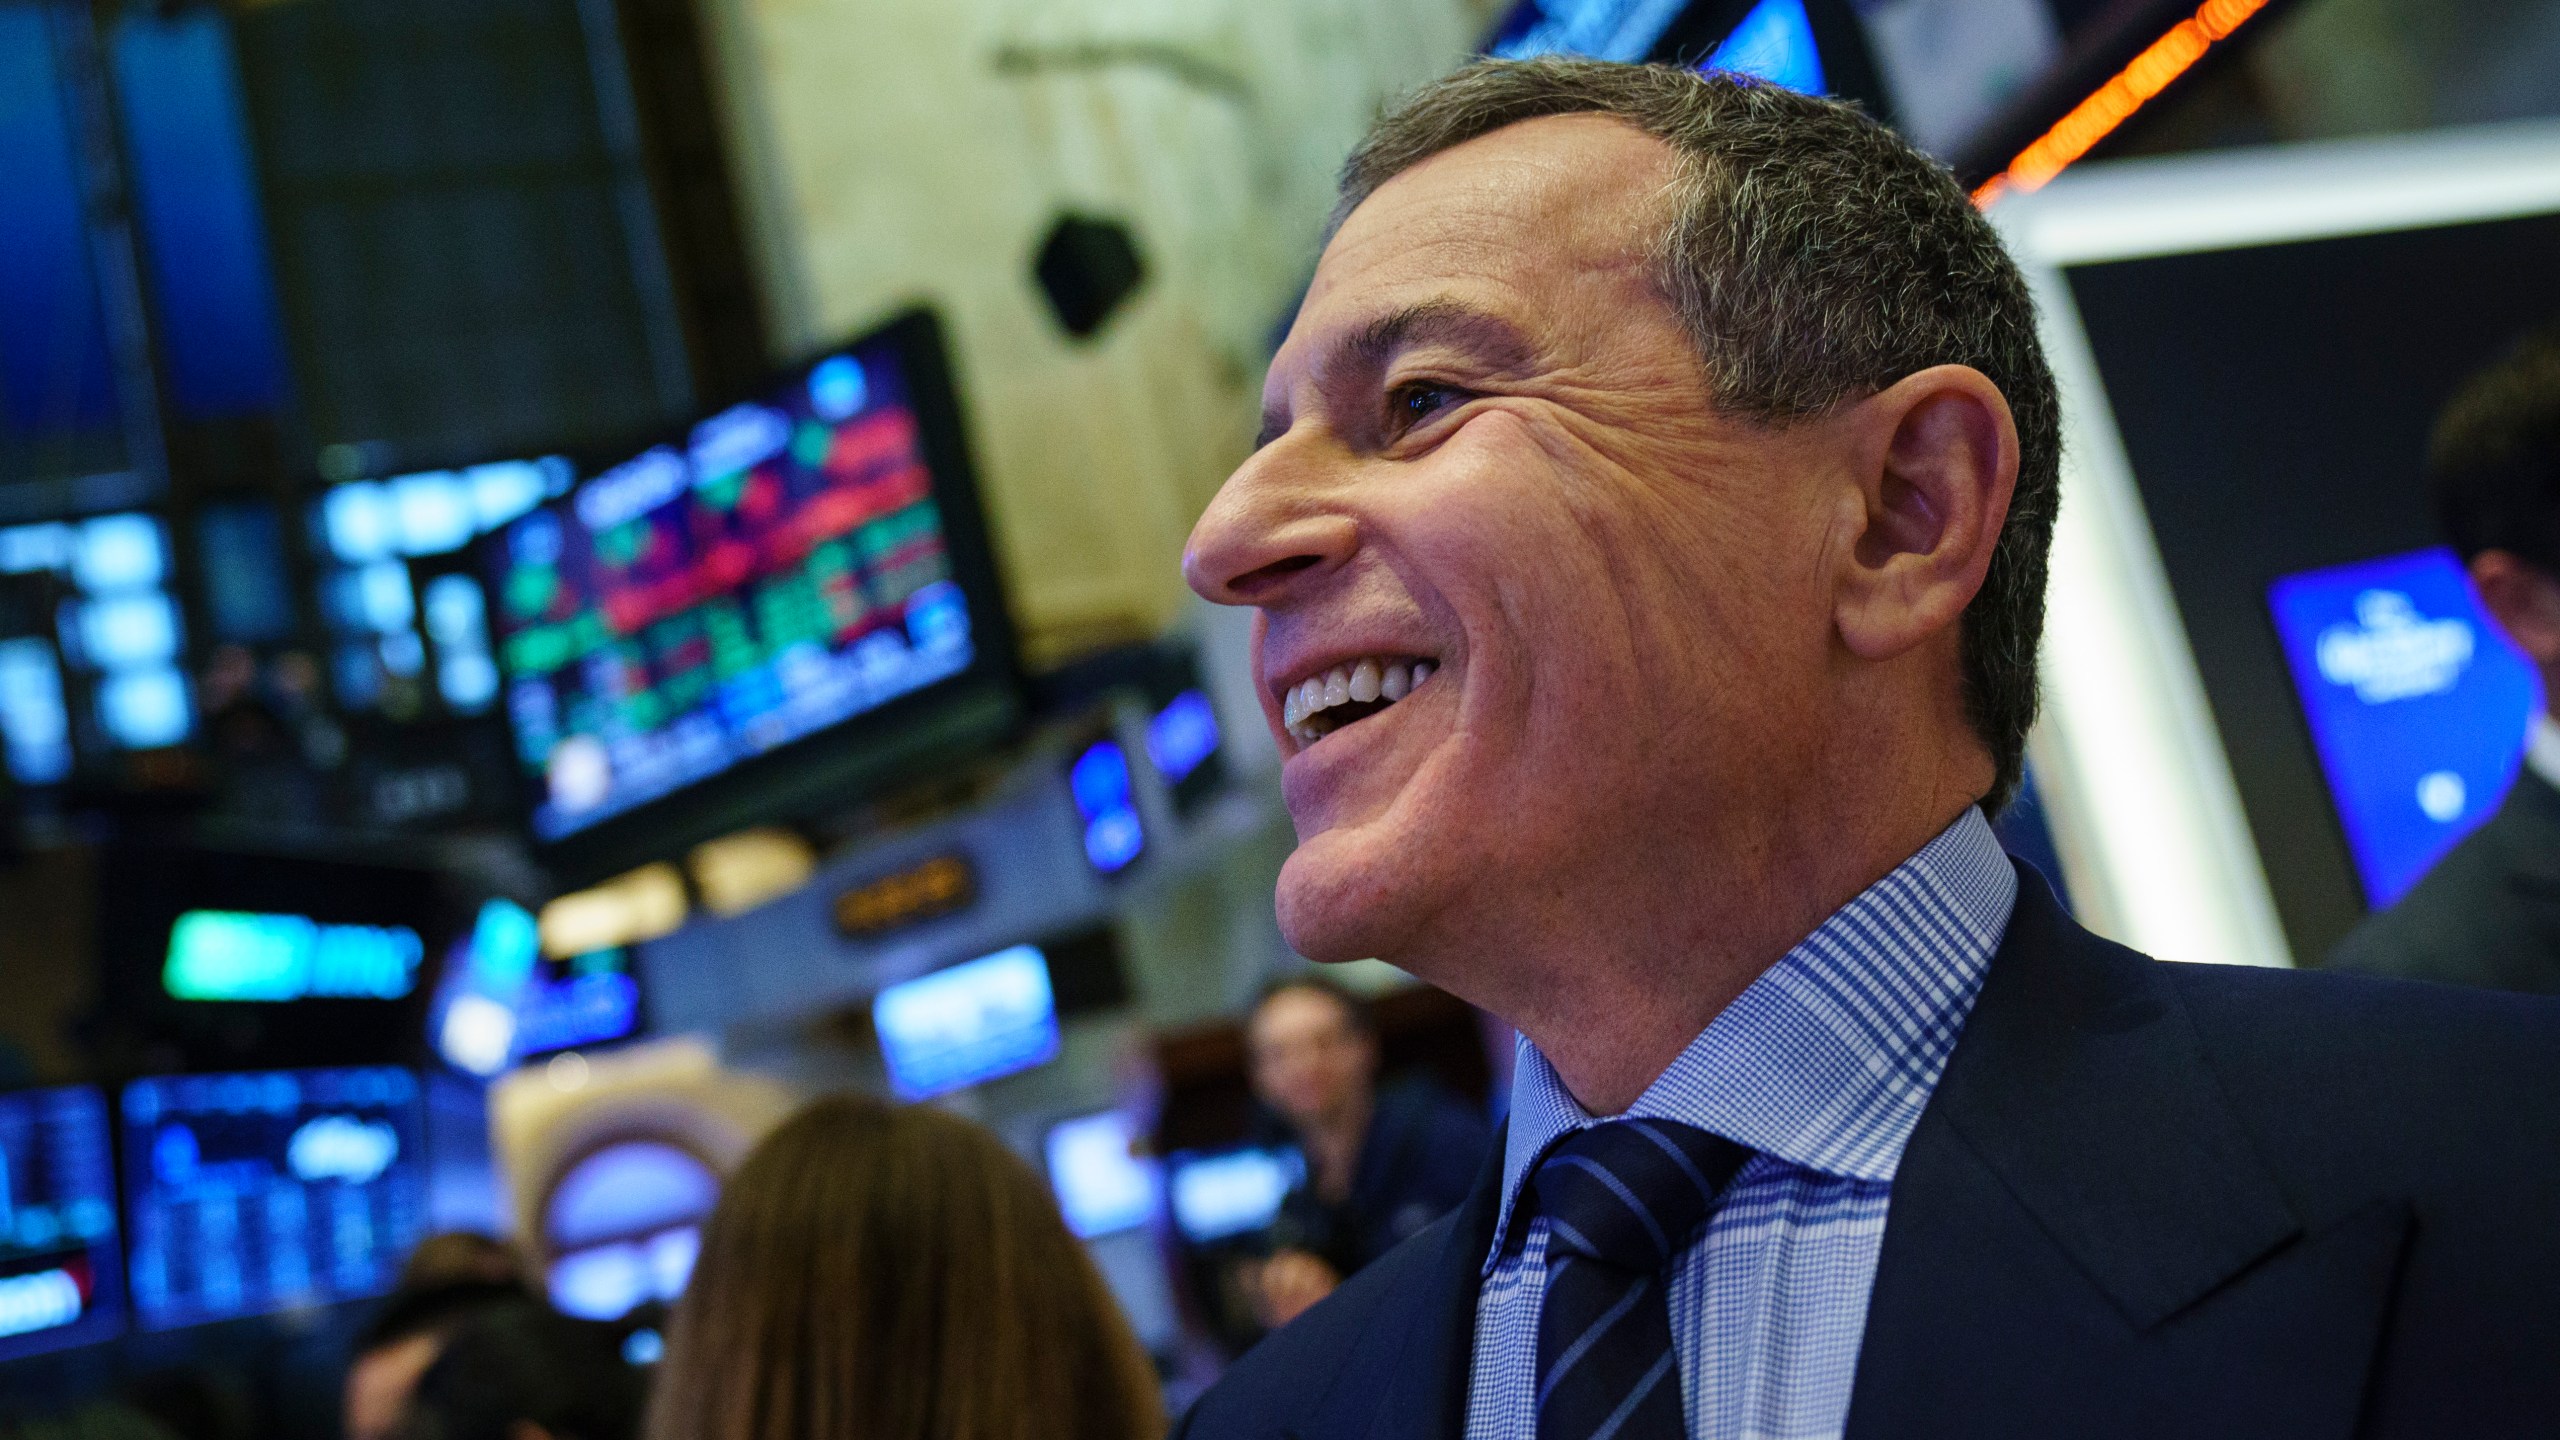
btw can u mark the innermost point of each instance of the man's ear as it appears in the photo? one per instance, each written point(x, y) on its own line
point(1935, 459)
point(2524, 599)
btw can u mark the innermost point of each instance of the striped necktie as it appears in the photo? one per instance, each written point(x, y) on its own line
point(1620, 1199)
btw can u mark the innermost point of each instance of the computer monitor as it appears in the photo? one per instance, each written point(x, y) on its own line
point(1103, 1184)
point(254, 1192)
point(1227, 1193)
point(61, 1278)
point(791, 599)
point(241, 959)
point(2417, 705)
point(967, 1023)
point(2251, 351)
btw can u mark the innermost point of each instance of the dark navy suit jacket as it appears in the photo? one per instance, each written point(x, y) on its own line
point(2147, 1199)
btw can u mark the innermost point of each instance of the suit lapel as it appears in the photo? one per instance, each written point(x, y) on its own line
point(2082, 1238)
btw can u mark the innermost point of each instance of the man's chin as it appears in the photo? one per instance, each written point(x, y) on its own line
point(1339, 900)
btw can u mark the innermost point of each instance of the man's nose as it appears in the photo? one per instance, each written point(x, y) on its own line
point(1269, 530)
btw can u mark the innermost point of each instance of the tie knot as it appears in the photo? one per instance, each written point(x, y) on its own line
point(1629, 1193)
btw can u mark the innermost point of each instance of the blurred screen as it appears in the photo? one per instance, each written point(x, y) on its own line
point(240, 551)
point(60, 1283)
point(624, 1226)
point(249, 1193)
point(971, 1022)
point(2417, 704)
point(1233, 1192)
point(239, 955)
point(1103, 1184)
point(781, 572)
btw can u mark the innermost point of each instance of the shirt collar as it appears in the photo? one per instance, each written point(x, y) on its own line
point(1826, 1060)
point(2542, 748)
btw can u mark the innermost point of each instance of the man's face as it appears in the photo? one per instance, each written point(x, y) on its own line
point(1489, 450)
point(1309, 1061)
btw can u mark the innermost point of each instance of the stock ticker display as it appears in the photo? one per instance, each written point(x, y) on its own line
point(59, 1283)
point(782, 571)
point(250, 1193)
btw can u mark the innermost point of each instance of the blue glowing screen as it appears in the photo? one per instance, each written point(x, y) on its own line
point(2418, 706)
point(1601, 29)
point(1113, 835)
point(973, 1021)
point(1181, 735)
point(249, 1193)
point(1103, 1183)
point(1775, 42)
point(1233, 1192)
point(60, 1284)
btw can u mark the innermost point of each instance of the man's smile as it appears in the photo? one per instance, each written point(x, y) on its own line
point(1323, 701)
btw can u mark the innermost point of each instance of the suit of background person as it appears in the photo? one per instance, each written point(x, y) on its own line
point(1382, 1163)
point(521, 1371)
point(1648, 540)
point(895, 1273)
point(2488, 913)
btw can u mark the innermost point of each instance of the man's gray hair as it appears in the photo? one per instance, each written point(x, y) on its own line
point(1814, 257)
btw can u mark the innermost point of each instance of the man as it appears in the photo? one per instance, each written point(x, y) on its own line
point(403, 1341)
point(2489, 912)
point(1648, 537)
point(1382, 1163)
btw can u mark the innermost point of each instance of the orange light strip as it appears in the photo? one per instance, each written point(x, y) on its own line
point(2111, 104)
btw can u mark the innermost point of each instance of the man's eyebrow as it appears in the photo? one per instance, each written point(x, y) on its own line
point(1375, 342)
point(1370, 345)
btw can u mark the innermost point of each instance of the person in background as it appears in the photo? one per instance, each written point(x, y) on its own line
point(1382, 1163)
point(518, 1370)
point(894, 1272)
point(404, 1338)
point(457, 1257)
point(2488, 914)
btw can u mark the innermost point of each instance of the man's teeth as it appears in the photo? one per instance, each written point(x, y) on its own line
point(1371, 685)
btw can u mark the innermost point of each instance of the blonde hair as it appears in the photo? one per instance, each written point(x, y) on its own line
point(878, 1272)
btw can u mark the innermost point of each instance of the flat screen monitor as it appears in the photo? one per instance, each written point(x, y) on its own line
point(967, 1023)
point(2417, 705)
point(239, 959)
point(61, 1277)
point(1104, 1185)
point(791, 597)
point(1227, 1193)
point(255, 1192)
point(2239, 445)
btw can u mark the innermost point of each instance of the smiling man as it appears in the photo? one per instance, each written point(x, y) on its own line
point(1648, 537)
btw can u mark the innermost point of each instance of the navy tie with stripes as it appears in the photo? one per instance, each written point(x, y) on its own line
point(1620, 1199)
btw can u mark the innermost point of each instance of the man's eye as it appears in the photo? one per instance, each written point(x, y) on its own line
point(1410, 405)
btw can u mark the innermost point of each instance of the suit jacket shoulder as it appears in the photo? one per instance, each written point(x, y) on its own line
point(2487, 914)
point(2206, 1201)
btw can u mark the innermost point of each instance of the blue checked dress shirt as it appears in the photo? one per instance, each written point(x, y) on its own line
point(1821, 1068)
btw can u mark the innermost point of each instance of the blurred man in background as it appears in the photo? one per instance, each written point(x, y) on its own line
point(2489, 912)
point(1382, 1163)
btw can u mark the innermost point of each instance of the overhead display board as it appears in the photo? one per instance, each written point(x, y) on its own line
point(791, 594)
